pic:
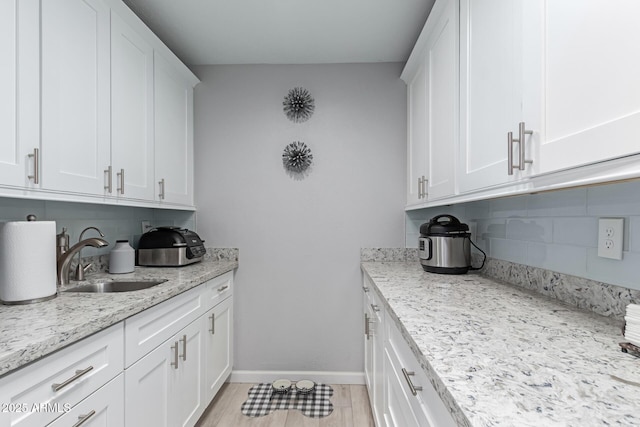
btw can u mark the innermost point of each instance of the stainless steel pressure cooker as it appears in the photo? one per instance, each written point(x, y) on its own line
point(445, 245)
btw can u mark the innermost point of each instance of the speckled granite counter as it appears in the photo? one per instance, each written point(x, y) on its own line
point(501, 355)
point(28, 332)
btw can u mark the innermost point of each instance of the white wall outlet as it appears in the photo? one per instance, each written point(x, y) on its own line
point(610, 237)
point(146, 226)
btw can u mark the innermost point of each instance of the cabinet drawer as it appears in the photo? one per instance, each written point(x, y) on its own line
point(40, 393)
point(218, 289)
point(147, 330)
point(104, 408)
point(426, 406)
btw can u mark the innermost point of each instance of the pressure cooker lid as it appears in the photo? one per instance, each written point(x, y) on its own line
point(443, 225)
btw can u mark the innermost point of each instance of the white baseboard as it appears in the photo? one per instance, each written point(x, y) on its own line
point(317, 376)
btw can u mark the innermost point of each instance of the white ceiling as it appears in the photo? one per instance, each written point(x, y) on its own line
point(285, 31)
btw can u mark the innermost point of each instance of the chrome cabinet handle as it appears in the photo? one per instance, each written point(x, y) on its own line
point(78, 374)
point(366, 326)
point(108, 172)
point(120, 177)
point(174, 347)
point(213, 324)
point(510, 165)
point(422, 187)
point(83, 418)
point(184, 348)
point(223, 288)
point(522, 131)
point(414, 389)
point(161, 185)
point(375, 307)
point(36, 166)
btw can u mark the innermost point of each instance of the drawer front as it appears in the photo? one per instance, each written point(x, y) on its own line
point(41, 392)
point(147, 330)
point(104, 408)
point(426, 406)
point(218, 289)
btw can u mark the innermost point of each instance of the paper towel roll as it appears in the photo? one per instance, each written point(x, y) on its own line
point(27, 261)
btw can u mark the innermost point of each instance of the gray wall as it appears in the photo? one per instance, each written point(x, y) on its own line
point(556, 231)
point(298, 296)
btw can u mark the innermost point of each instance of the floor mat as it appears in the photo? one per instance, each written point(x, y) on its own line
point(261, 401)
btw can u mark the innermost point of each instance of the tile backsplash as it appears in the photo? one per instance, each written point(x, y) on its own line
point(555, 231)
point(116, 222)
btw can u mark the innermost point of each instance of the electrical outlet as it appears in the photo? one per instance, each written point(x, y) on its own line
point(610, 237)
point(146, 226)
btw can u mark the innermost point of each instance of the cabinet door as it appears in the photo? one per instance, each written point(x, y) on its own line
point(173, 134)
point(185, 381)
point(374, 342)
point(442, 96)
point(104, 408)
point(592, 90)
point(491, 90)
point(19, 90)
point(218, 347)
point(147, 391)
point(132, 146)
point(417, 144)
point(75, 95)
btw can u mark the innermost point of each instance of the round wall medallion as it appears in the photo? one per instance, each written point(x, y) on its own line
point(297, 157)
point(298, 105)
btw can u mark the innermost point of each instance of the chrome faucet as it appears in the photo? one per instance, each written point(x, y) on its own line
point(64, 260)
point(82, 268)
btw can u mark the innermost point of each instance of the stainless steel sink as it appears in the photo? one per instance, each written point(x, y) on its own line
point(116, 286)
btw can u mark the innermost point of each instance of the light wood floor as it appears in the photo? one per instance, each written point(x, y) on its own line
point(350, 409)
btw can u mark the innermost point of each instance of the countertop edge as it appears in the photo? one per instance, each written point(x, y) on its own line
point(18, 358)
point(437, 383)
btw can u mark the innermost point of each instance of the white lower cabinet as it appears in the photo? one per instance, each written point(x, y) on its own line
point(410, 399)
point(373, 352)
point(173, 382)
point(164, 387)
point(161, 367)
point(104, 408)
point(217, 348)
point(399, 391)
point(38, 394)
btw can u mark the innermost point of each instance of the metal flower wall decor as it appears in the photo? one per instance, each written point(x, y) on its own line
point(297, 157)
point(298, 105)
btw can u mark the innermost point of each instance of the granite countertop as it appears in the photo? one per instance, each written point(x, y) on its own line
point(29, 332)
point(502, 355)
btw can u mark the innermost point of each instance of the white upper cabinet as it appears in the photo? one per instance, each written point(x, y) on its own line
point(19, 91)
point(432, 91)
point(442, 97)
point(79, 106)
point(591, 96)
point(75, 95)
point(417, 148)
point(492, 91)
point(132, 143)
point(173, 132)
